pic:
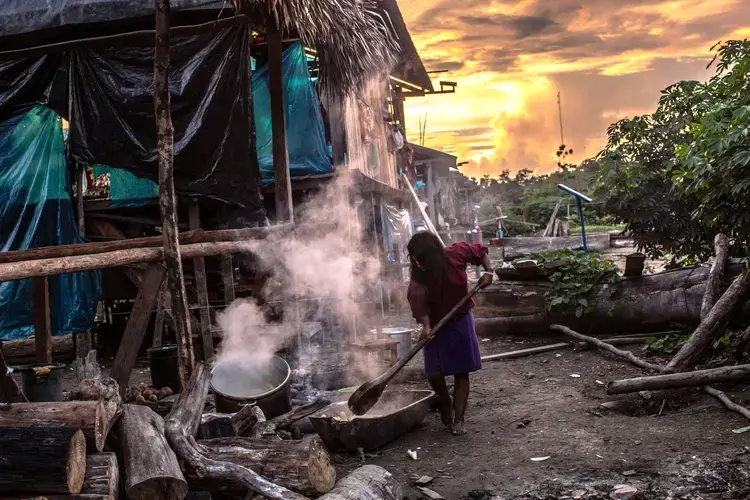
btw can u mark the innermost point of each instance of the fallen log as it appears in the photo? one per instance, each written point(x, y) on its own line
point(151, 468)
point(88, 416)
point(181, 427)
point(694, 350)
point(303, 466)
point(523, 246)
point(369, 482)
point(649, 303)
point(721, 245)
point(607, 347)
point(728, 402)
point(42, 460)
point(24, 350)
point(678, 380)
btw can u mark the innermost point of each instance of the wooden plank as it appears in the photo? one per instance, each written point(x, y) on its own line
point(42, 326)
point(283, 186)
point(136, 327)
point(80, 181)
point(201, 288)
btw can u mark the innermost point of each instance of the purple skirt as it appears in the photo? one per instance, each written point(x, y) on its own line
point(454, 349)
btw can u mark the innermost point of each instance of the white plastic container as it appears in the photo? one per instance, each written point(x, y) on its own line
point(403, 335)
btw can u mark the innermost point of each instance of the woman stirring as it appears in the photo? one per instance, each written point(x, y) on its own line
point(439, 282)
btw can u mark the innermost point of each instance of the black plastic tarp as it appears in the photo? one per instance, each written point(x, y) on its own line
point(106, 94)
point(25, 16)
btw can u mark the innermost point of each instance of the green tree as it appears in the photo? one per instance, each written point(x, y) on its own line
point(715, 165)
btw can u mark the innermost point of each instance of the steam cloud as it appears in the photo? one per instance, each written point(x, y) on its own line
point(324, 259)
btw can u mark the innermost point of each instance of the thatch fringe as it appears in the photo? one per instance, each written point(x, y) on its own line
point(354, 39)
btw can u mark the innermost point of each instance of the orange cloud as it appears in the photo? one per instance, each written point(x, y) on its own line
point(511, 58)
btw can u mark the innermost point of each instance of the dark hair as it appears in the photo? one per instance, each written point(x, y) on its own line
point(427, 249)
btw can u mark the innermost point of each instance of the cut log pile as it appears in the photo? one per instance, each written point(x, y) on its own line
point(56, 450)
point(716, 311)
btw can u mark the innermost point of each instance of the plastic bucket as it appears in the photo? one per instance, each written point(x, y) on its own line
point(164, 367)
point(236, 384)
point(403, 336)
point(42, 387)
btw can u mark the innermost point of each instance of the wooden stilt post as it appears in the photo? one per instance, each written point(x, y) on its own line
point(283, 185)
point(159, 321)
point(132, 339)
point(42, 326)
point(167, 195)
point(201, 288)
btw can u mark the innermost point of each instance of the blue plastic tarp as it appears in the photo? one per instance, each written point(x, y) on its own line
point(309, 153)
point(306, 141)
point(36, 211)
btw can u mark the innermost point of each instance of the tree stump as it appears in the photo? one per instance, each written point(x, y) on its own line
point(88, 416)
point(42, 459)
point(366, 483)
point(151, 468)
point(303, 466)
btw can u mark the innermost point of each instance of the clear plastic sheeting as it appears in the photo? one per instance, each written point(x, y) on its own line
point(36, 211)
point(306, 142)
point(399, 229)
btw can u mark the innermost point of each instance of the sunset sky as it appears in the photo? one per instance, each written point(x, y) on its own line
point(608, 58)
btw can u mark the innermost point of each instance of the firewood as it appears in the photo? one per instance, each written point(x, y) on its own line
point(303, 466)
point(42, 459)
point(22, 350)
point(181, 427)
point(696, 347)
point(607, 347)
point(246, 418)
point(216, 425)
point(102, 476)
point(88, 416)
point(678, 380)
point(366, 483)
point(151, 467)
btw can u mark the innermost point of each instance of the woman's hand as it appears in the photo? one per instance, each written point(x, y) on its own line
point(486, 279)
point(426, 333)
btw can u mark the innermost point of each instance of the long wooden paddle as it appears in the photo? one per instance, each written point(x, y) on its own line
point(368, 394)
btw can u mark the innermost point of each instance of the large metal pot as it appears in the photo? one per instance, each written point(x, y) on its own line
point(237, 383)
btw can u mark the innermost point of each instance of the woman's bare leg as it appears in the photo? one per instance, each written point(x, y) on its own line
point(461, 388)
point(437, 382)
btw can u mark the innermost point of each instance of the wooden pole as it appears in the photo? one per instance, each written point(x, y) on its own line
point(167, 195)
point(52, 267)
point(42, 326)
point(131, 341)
point(201, 289)
point(283, 185)
point(111, 231)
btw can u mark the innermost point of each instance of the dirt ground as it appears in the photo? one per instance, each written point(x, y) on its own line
point(674, 445)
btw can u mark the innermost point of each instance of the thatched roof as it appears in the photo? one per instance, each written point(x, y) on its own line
point(354, 39)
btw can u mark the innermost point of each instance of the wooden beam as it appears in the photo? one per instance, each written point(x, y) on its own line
point(167, 194)
point(135, 329)
point(81, 179)
point(51, 267)
point(159, 321)
point(201, 288)
point(284, 209)
point(105, 229)
point(227, 277)
point(42, 326)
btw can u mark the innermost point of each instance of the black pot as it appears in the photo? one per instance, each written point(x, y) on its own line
point(236, 385)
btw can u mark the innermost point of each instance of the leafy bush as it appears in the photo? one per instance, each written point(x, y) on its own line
point(573, 276)
point(668, 344)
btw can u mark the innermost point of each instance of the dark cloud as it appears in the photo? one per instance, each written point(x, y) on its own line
point(438, 65)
